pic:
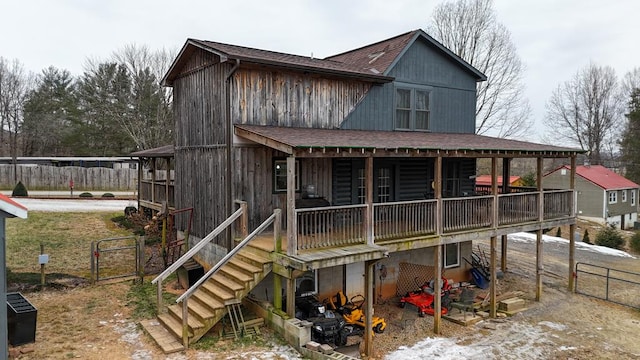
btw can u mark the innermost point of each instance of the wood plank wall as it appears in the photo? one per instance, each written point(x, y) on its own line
point(44, 177)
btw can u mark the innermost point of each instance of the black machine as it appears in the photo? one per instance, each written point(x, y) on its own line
point(327, 327)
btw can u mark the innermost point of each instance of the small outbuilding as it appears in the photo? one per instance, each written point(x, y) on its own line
point(8, 209)
point(602, 195)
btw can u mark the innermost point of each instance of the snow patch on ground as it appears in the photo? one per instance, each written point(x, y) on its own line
point(516, 341)
point(527, 237)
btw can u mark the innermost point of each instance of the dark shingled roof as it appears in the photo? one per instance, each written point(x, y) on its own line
point(381, 56)
point(163, 151)
point(303, 138)
point(368, 63)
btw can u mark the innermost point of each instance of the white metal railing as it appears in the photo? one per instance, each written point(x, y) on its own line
point(330, 226)
point(515, 208)
point(187, 294)
point(404, 219)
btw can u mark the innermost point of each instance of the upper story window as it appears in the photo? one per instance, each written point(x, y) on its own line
point(280, 176)
point(633, 197)
point(624, 195)
point(613, 197)
point(412, 108)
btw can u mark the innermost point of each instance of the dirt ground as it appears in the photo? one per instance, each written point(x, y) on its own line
point(77, 320)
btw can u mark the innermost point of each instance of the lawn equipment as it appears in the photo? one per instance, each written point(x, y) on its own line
point(353, 314)
point(327, 327)
point(423, 298)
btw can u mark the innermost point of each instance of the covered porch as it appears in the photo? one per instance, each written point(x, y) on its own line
point(326, 236)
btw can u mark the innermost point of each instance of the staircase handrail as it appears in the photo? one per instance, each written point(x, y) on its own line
point(194, 250)
point(226, 258)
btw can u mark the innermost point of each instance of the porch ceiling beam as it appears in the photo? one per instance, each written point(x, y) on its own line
point(287, 149)
point(342, 152)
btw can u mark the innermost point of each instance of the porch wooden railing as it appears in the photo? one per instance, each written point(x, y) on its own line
point(404, 219)
point(467, 213)
point(330, 226)
point(558, 204)
point(334, 226)
point(517, 208)
point(156, 192)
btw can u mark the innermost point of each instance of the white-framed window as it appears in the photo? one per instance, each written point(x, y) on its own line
point(412, 108)
point(280, 175)
point(452, 255)
point(633, 197)
point(613, 197)
point(624, 195)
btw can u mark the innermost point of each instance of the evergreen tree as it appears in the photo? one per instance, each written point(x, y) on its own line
point(49, 114)
point(630, 143)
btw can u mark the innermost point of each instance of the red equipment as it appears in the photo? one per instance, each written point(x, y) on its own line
point(423, 298)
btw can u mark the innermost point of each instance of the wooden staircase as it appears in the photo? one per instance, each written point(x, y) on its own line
point(211, 301)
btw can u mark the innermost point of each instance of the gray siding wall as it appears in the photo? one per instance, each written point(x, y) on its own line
point(590, 196)
point(620, 207)
point(453, 94)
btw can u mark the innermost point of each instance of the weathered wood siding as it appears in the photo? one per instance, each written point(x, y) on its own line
point(453, 94)
point(201, 151)
point(44, 177)
point(262, 97)
point(253, 181)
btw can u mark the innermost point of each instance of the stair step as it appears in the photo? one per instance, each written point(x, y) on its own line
point(193, 322)
point(173, 325)
point(259, 259)
point(163, 337)
point(206, 300)
point(246, 266)
point(202, 311)
point(218, 291)
point(227, 282)
point(236, 274)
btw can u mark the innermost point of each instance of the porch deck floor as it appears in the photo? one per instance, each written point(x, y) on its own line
point(266, 242)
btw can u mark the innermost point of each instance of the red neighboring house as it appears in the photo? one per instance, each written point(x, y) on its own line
point(602, 194)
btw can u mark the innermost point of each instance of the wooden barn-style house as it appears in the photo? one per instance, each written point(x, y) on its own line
point(341, 173)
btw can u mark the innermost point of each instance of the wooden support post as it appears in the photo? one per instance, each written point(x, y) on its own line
point(493, 306)
point(572, 227)
point(244, 220)
point(539, 262)
point(368, 222)
point(153, 180)
point(277, 231)
point(494, 190)
point(368, 313)
point(166, 181)
point(291, 297)
point(437, 288)
point(277, 292)
point(503, 254)
point(437, 192)
point(292, 228)
point(539, 266)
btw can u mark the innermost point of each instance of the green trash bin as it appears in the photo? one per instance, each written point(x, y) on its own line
point(21, 319)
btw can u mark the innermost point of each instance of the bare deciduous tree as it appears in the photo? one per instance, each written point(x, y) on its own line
point(587, 110)
point(470, 29)
point(152, 123)
point(630, 82)
point(15, 85)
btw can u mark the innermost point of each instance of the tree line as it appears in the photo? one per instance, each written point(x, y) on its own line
point(115, 107)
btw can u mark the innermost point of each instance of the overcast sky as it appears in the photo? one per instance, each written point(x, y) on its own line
point(554, 38)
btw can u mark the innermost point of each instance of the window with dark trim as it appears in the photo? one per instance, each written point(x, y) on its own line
point(451, 255)
point(280, 175)
point(412, 108)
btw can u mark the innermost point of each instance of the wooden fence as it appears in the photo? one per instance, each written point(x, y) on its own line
point(44, 177)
